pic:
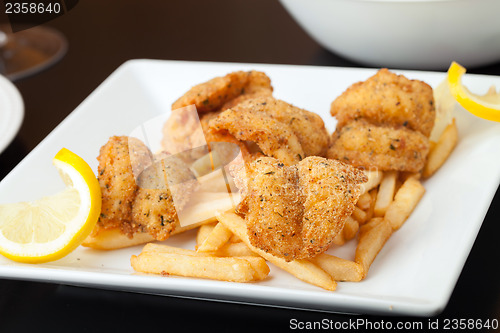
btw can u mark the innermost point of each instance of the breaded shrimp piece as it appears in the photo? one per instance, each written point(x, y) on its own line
point(275, 207)
point(331, 190)
point(362, 144)
point(164, 188)
point(273, 137)
point(387, 99)
point(259, 85)
point(213, 94)
point(117, 181)
point(295, 212)
point(182, 130)
point(307, 126)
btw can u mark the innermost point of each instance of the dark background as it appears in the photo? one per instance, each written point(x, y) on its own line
point(104, 34)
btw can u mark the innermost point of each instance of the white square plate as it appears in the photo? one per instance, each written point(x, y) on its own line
point(414, 273)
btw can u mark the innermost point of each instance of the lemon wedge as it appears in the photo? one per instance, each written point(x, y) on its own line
point(486, 106)
point(445, 109)
point(51, 227)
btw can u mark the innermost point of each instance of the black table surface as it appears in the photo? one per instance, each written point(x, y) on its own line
point(104, 34)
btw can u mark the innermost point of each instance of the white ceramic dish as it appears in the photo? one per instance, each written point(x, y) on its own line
point(424, 34)
point(415, 272)
point(11, 112)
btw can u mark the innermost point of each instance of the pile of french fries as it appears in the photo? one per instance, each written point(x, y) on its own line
point(224, 252)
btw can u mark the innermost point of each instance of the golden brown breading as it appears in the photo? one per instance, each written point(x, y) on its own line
point(307, 126)
point(117, 181)
point(275, 207)
point(387, 99)
point(361, 144)
point(215, 93)
point(138, 192)
point(331, 189)
point(164, 188)
point(182, 131)
point(295, 212)
point(259, 85)
point(273, 137)
point(245, 97)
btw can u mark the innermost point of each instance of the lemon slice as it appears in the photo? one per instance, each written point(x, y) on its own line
point(445, 107)
point(53, 226)
point(486, 107)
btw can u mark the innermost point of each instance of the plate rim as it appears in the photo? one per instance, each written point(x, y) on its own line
point(16, 112)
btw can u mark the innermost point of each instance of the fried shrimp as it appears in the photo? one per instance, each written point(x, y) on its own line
point(365, 145)
point(138, 193)
point(116, 178)
point(273, 137)
point(218, 93)
point(239, 108)
point(331, 190)
point(295, 212)
point(279, 129)
point(187, 127)
point(387, 99)
point(274, 205)
point(307, 126)
point(164, 188)
point(384, 122)
point(259, 85)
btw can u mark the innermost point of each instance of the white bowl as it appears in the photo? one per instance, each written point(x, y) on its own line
point(420, 34)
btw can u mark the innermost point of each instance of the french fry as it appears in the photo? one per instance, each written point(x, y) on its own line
point(228, 250)
point(235, 239)
point(215, 182)
point(234, 250)
point(364, 201)
point(203, 232)
point(404, 203)
point(219, 236)
point(369, 211)
point(385, 193)
point(260, 268)
point(203, 205)
point(161, 248)
point(203, 166)
point(175, 261)
point(442, 150)
point(111, 239)
point(350, 229)
point(339, 240)
point(339, 269)
point(302, 269)
point(359, 215)
point(216, 268)
point(372, 237)
point(374, 178)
